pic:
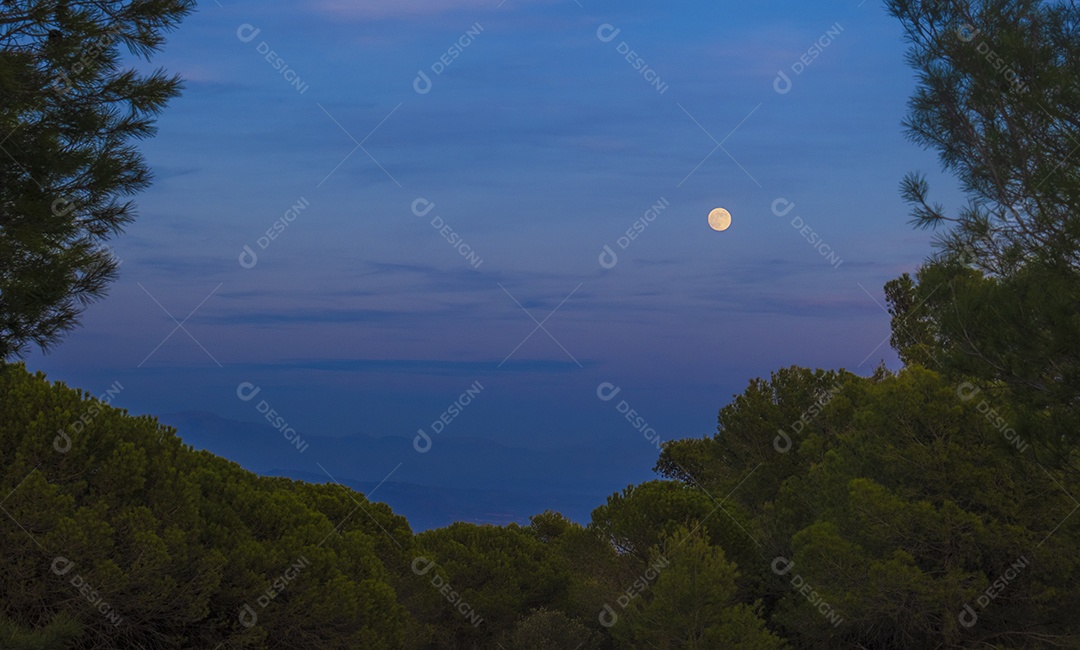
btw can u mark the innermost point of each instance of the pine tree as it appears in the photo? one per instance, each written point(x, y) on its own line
point(69, 113)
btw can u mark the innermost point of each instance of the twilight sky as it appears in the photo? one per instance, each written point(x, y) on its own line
point(423, 225)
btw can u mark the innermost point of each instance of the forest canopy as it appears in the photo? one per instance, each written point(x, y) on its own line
point(931, 507)
point(900, 515)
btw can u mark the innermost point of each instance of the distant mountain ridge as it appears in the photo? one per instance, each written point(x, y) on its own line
point(459, 479)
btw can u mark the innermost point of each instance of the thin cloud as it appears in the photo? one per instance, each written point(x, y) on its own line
point(436, 367)
point(381, 10)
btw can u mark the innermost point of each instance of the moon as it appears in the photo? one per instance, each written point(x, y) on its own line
point(719, 219)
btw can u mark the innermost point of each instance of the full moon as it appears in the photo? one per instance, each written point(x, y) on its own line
point(719, 219)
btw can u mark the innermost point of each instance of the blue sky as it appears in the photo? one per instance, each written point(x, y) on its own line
point(539, 144)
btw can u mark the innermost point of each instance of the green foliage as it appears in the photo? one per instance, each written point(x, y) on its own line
point(502, 573)
point(1015, 338)
point(691, 602)
point(58, 634)
point(641, 517)
point(595, 572)
point(761, 432)
point(998, 99)
point(69, 112)
point(920, 506)
point(896, 511)
point(914, 332)
point(170, 546)
point(899, 504)
point(776, 429)
point(552, 630)
point(634, 520)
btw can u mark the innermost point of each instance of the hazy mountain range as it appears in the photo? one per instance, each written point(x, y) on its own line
point(458, 479)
